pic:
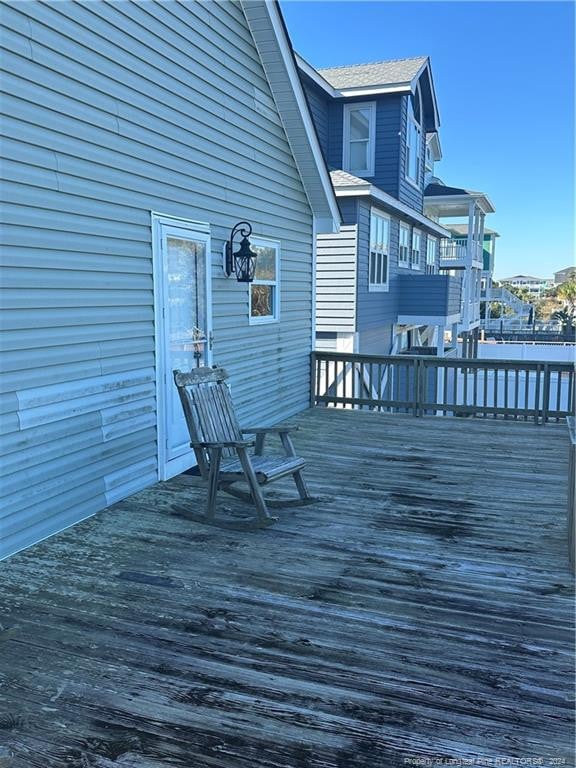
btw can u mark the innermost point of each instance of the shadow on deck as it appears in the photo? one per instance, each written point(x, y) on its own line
point(420, 614)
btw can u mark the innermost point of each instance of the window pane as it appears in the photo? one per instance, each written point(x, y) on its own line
point(379, 268)
point(265, 263)
point(372, 267)
point(262, 297)
point(359, 124)
point(358, 155)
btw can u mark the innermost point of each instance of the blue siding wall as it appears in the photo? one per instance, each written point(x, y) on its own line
point(388, 140)
point(335, 134)
point(434, 295)
point(388, 143)
point(390, 149)
point(348, 210)
point(407, 191)
point(376, 311)
point(318, 103)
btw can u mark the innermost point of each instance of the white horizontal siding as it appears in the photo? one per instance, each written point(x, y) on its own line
point(114, 110)
point(336, 281)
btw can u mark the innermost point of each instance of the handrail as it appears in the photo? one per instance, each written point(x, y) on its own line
point(510, 389)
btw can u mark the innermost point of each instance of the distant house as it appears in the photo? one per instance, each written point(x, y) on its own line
point(137, 136)
point(392, 280)
point(569, 273)
point(460, 232)
point(465, 250)
point(534, 285)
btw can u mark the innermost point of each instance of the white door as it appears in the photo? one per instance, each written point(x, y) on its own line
point(183, 328)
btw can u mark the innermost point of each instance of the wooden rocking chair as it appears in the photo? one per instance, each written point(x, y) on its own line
point(222, 452)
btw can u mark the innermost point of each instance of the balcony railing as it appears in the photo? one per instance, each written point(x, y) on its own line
point(541, 391)
point(455, 252)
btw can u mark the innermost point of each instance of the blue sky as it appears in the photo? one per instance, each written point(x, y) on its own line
point(504, 77)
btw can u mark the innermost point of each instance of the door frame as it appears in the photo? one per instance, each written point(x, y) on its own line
point(183, 227)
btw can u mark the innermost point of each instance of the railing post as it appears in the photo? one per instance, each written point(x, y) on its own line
point(416, 368)
point(546, 393)
point(313, 393)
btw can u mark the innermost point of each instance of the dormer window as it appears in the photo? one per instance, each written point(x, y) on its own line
point(359, 131)
point(414, 137)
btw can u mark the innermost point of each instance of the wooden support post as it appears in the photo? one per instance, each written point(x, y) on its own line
point(440, 344)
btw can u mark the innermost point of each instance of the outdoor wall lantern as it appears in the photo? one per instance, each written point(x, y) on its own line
point(243, 262)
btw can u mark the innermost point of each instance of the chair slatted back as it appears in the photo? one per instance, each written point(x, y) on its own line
point(208, 409)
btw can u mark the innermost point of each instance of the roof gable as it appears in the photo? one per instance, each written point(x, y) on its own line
point(379, 78)
point(379, 73)
point(275, 50)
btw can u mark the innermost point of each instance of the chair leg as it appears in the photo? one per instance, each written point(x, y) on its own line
point(301, 485)
point(298, 478)
point(252, 481)
point(215, 456)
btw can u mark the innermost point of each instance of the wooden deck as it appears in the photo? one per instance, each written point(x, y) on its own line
point(420, 614)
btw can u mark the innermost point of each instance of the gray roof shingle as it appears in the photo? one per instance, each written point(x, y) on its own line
point(397, 71)
point(344, 179)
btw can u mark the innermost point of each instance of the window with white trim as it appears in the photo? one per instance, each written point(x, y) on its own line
point(404, 246)
point(379, 250)
point(431, 255)
point(415, 252)
point(414, 138)
point(264, 291)
point(359, 135)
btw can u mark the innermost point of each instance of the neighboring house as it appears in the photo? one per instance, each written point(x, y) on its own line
point(136, 136)
point(535, 286)
point(563, 275)
point(460, 234)
point(381, 286)
point(463, 252)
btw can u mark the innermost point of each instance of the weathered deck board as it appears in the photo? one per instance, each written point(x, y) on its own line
point(421, 610)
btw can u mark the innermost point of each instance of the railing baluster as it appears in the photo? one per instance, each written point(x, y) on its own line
point(475, 390)
point(457, 371)
point(546, 393)
point(558, 394)
point(445, 390)
point(415, 385)
point(495, 403)
point(516, 374)
point(526, 394)
point(537, 395)
point(485, 392)
point(506, 392)
point(465, 392)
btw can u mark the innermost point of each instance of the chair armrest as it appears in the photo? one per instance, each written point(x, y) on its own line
point(227, 444)
point(270, 430)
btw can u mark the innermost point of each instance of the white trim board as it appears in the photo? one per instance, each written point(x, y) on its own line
point(187, 227)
